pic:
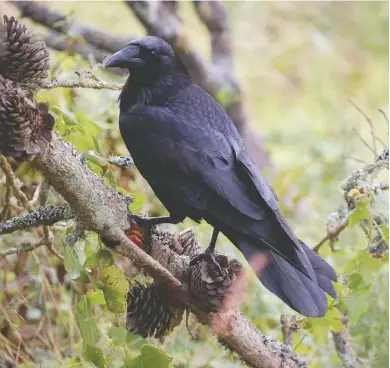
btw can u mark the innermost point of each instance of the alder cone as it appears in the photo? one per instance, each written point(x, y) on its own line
point(209, 284)
point(21, 59)
point(25, 127)
point(150, 312)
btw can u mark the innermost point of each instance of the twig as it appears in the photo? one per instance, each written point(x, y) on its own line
point(74, 236)
point(25, 247)
point(289, 325)
point(369, 121)
point(11, 179)
point(122, 162)
point(6, 208)
point(331, 236)
point(386, 120)
point(343, 344)
point(364, 142)
point(93, 84)
point(36, 194)
point(355, 159)
point(42, 216)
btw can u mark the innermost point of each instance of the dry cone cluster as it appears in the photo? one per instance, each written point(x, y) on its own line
point(25, 126)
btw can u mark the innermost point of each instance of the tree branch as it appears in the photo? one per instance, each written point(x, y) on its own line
point(25, 247)
point(61, 42)
point(63, 24)
point(106, 213)
point(358, 185)
point(11, 180)
point(343, 344)
point(81, 83)
point(363, 179)
point(42, 216)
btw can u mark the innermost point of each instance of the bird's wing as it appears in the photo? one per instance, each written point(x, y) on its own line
point(195, 141)
point(178, 145)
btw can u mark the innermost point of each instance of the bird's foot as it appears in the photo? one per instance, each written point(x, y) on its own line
point(147, 223)
point(209, 256)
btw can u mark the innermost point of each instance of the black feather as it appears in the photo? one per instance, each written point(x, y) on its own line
point(188, 149)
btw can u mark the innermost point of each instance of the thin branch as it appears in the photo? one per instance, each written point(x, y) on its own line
point(122, 162)
point(11, 180)
point(364, 142)
point(37, 193)
point(42, 216)
point(369, 121)
point(331, 236)
point(25, 247)
point(354, 159)
point(289, 325)
point(343, 344)
point(60, 42)
point(6, 208)
point(386, 120)
point(93, 84)
point(61, 23)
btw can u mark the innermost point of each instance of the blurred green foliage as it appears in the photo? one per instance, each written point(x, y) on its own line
point(299, 65)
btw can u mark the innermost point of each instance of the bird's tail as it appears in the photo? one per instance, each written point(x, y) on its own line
point(303, 294)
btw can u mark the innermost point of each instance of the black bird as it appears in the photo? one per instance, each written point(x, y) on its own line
point(188, 149)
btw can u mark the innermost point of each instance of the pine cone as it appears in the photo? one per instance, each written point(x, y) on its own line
point(150, 311)
point(22, 60)
point(209, 285)
point(189, 244)
point(25, 127)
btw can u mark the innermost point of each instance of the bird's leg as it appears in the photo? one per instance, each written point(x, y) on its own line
point(209, 252)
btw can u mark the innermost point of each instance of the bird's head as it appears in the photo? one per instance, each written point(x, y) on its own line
point(150, 55)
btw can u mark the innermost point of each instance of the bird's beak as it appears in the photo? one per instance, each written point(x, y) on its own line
point(125, 58)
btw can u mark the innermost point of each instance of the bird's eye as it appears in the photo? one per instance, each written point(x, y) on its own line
point(154, 53)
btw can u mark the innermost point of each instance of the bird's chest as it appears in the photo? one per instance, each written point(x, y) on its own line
point(144, 140)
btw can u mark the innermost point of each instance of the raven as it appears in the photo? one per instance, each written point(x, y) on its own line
point(188, 149)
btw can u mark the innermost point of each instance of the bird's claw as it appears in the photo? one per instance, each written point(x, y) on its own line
point(208, 256)
point(140, 220)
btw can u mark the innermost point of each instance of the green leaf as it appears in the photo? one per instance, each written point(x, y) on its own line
point(118, 335)
point(74, 259)
point(83, 278)
point(87, 323)
point(355, 280)
point(98, 146)
point(333, 317)
point(138, 203)
point(96, 297)
point(319, 330)
point(104, 256)
point(109, 176)
point(150, 357)
point(94, 355)
point(361, 212)
point(96, 158)
point(385, 230)
point(68, 117)
point(115, 287)
point(132, 361)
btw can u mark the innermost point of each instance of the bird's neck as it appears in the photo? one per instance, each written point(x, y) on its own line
point(141, 90)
